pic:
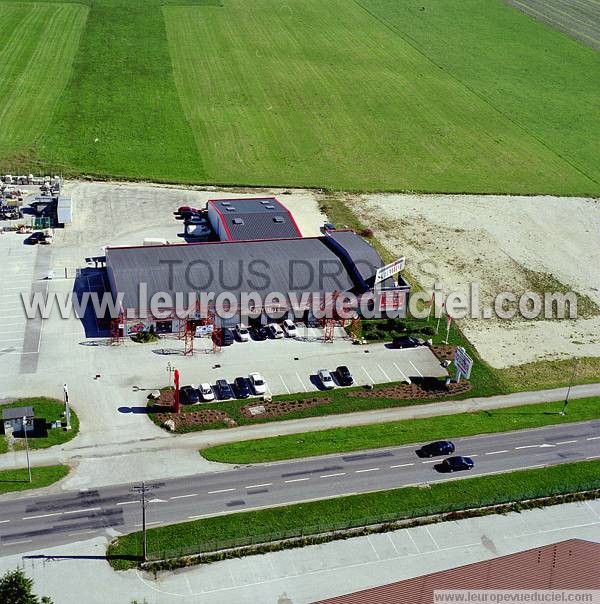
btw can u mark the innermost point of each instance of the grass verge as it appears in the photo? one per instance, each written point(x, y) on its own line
point(18, 480)
point(49, 409)
point(389, 434)
point(210, 534)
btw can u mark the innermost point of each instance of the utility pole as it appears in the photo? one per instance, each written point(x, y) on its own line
point(27, 446)
point(575, 364)
point(142, 490)
point(67, 407)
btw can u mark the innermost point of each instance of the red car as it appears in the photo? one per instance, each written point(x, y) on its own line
point(187, 211)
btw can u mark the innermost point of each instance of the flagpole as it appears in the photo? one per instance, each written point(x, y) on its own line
point(448, 323)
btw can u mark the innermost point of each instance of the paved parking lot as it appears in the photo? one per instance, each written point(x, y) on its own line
point(21, 272)
point(290, 365)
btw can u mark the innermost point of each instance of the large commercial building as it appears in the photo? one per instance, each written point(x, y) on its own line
point(260, 256)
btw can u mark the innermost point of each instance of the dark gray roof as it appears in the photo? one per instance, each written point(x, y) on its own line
point(286, 265)
point(17, 412)
point(256, 218)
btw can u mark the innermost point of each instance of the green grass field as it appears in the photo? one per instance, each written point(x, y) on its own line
point(37, 46)
point(466, 95)
point(18, 480)
point(390, 434)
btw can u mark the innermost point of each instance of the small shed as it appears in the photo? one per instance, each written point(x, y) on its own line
point(12, 417)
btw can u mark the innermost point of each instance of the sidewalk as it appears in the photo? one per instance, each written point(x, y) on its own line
point(167, 456)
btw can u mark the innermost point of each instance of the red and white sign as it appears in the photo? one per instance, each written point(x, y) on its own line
point(391, 299)
point(463, 363)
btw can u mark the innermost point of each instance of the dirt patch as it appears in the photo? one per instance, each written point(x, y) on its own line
point(258, 410)
point(502, 244)
point(444, 352)
point(202, 417)
point(415, 391)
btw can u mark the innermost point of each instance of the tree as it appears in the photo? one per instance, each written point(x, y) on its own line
point(16, 588)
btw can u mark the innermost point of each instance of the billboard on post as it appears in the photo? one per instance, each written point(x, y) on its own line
point(391, 300)
point(389, 270)
point(463, 363)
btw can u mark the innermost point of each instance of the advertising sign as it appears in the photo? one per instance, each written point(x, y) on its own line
point(389, 269)
point(391, 299)
point(463, 363)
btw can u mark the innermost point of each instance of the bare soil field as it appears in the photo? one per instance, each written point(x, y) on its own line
point(503, 243)
point(580, 19)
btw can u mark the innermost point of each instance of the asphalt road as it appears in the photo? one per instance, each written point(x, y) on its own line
point(33, 523)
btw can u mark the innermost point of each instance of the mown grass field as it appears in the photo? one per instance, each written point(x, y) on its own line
point(390, 434)
point(356, 510)
point(18, 480)
point(366, 95)
point(37, 46)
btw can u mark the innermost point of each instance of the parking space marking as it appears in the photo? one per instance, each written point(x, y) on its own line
point(367, 373)
point(402, 373)
point(387, 377)
point(297, 480)
point(303, 386)
point(284, 384)
point(415, 368)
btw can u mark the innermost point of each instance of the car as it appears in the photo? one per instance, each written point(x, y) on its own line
point(224, 390)
point(225, 337)
point(197, 230)
point(189, 395)
point(183, 210)
point(258, 383)
point(206, 392)
point(406, 342)
point(344, 376)
point(275, 330)
point(439, 447)
point(453, 464)
point(326, 379)
point(290, 328)
point(259, 333)
point(35, 238)
point(242, 332)
point(241, 387)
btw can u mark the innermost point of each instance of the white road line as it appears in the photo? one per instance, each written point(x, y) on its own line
point(527, 447)
point(284, 384)
point(476, 455)
point(413, 541)
point(367, 373)
point(301, 382)
point(393, 544)
point(565, 442)
point(4, 521)
point(17, 542)
point(402, 465)
point(81, 511)
point(593, 457)
point(297, 480)
point(153, 522)
point(332, 475)
point(367, 470)
point(430, 461)
point(496, 452)
point(256, 486)
point(415, 368)
point(406, 378)
point(184, 496)
point(593, 438)
point(82, 533)
point(387, 377)
point(41, 516)
point(373, 548)
point(126, 502)
point(220, 491)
